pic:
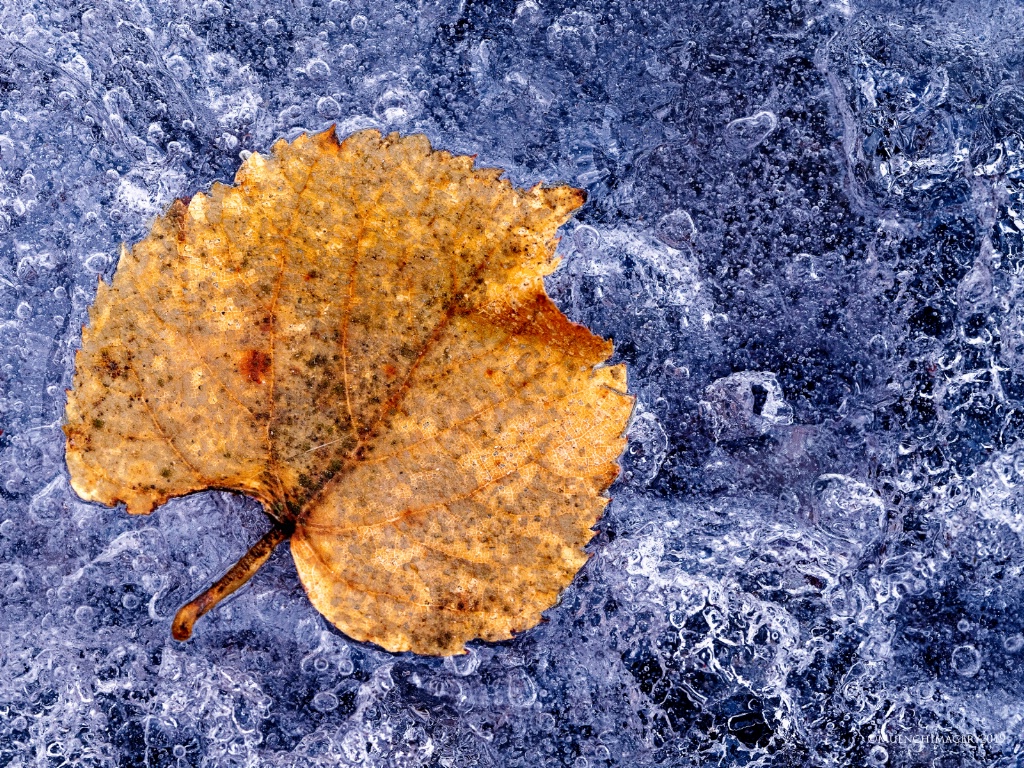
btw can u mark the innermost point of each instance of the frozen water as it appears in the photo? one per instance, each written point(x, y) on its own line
point(805, 233)
point(744, 405)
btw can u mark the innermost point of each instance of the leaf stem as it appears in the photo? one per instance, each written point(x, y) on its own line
point(240, 573)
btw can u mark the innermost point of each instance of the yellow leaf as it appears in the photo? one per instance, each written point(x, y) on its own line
point(357, 335)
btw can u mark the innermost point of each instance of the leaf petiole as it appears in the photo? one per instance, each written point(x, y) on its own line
point(238, 575)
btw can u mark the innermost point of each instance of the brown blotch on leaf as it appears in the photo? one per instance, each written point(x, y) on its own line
point(176, 216)
point(255, 365)
point(430, 433)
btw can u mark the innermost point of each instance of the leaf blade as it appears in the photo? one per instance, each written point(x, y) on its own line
point(357, 334)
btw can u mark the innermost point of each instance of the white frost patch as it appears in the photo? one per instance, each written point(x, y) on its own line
point(1000, 489)
point(671, 276)
point(136, 199)
point(236, 108)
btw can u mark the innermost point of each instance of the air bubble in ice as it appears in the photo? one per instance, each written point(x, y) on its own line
point(974, 292)
point(744, 405)
point(318, 69)
point(179, 67)
point(213, 9)
point(354, 747)
point(328, 108)
point(746, 133)
point(289, 116)
point(648, 446)
point(96, 263)
point(396, 106)
point(84, 615)
point(676, 229)
point(348, 53)
point(573, 36)
point(325, 701)
point(848, 508)
point(586, 239)
point(522, 692)
point(966, 660)
point(464, 665)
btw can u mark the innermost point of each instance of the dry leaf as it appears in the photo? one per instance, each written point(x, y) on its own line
point(357, 335)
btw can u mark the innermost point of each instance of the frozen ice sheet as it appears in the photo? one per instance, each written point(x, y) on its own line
point(805, 233)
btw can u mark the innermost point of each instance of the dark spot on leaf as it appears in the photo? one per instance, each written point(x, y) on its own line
point(255, 365)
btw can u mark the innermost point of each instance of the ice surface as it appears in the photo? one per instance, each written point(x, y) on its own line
point(805, 233)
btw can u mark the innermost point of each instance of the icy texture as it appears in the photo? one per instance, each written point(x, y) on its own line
point(804, 233)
